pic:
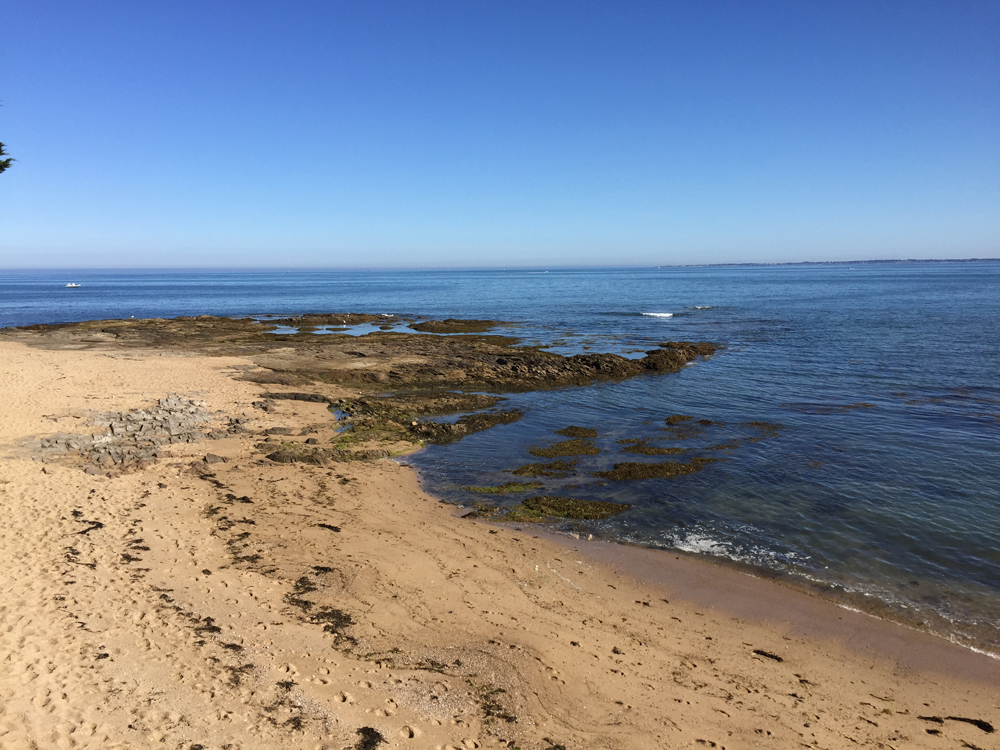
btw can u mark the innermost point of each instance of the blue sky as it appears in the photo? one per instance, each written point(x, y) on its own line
point(367, 134)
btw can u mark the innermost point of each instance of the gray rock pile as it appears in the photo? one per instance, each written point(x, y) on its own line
point(133, 439)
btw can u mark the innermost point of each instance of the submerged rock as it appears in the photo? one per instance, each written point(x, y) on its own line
point(663, 470)
point(556, 469)
point(577, 432)
point(571, 507)
point(456, 325)
point(764, 430)
point(448, 432)
point(541, 507)
point(643, 448)
point(507, 487)
point(576, 447)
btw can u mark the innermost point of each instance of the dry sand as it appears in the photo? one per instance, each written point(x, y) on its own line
point(178, 608)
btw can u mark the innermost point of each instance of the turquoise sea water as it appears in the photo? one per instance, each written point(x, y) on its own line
point(877, 478)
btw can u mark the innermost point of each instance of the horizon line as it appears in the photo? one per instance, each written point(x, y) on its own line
point(450, 268)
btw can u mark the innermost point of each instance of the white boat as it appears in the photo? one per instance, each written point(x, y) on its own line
point(71, 285)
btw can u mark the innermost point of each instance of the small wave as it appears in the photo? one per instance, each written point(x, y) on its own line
point(984, 652)
point(701, 307)
point(658, 315)
point(702, 544)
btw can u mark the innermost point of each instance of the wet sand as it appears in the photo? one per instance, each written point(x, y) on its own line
point(744, 596)
point(249, 604)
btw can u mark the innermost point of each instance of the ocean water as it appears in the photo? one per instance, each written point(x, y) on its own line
point(855, 410)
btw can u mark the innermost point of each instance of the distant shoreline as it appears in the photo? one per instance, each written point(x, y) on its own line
point(875, 262)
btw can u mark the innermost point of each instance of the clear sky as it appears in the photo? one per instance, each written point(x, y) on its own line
point(503, 133)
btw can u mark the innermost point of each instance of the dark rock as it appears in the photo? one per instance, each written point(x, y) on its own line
point(300, 453)
point(211, 458)
point(445, 432)
point(312, 397)
point(322, 320)
point(455, 325)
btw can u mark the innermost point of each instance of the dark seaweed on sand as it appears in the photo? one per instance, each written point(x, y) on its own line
point(368, 739)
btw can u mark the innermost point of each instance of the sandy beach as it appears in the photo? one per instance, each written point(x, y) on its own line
point(242, 603)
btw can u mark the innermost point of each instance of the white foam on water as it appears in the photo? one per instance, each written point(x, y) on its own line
point(658, 315)
point(984, 652)
point(701, 307)
point(702, 544)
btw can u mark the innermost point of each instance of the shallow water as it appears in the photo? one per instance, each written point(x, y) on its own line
point(879, 478)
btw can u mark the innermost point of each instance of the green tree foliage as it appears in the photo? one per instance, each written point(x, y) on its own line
point(4, 163)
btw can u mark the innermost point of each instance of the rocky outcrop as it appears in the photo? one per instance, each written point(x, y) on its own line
point(465, 359)
point(134, 439)
point(455, 325)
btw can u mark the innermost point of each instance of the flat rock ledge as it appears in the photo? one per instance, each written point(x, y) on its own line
point(134, 439)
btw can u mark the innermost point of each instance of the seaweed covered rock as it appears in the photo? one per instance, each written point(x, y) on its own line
point(764, 430)
point(577, 432)
point(394, 418)
point(456, 325)
point(312, 321)
point(691, 349)
point(448, 432)
point(642, 447)
point(422, 402)
point(505, 488)
point(673, 355)
point(556, 469)
point(290, 453)
point(571, 507)
point(662, 470)
point(575, 447)
point(383, 360)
